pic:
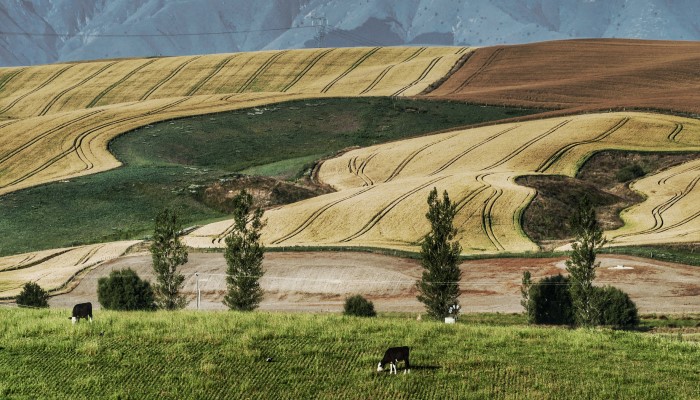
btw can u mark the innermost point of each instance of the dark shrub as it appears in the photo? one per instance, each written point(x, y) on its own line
point(629, 173)
point(615, 308)
point(550, 301)
point(359, 306)
point(33, 295)
point(124, 290)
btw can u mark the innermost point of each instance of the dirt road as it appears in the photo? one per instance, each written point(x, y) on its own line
point(320, 282)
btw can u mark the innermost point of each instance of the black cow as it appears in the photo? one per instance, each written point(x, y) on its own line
point(82, 310)
point(393, 355)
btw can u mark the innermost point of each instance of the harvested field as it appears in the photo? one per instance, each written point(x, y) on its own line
point(53, 270)
point(300, 281)
point(380, 188)
point(581, 75)
point(63, 115)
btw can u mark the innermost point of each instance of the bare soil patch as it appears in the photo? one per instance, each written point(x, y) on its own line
point(320, 281)
point(581, 75)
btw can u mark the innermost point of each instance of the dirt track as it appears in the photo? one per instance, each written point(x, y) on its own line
point(581, 75)
point(320, 282)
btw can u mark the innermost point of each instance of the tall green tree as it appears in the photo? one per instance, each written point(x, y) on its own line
point(168, 254)
point(581, 265)
point(244, 255)
point(33, 295)
point(438, 288)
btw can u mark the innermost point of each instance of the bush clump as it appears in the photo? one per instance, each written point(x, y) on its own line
point(359, 307)
point(615, 308)
point(549, 301)
point(629, 173)
point(32, 295)
point(123, 290)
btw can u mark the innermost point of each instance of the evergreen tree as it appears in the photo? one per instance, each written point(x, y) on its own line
point(32, 295)
point(438, 288)
point(168, 253)
point(581, 265)
point(244, 255)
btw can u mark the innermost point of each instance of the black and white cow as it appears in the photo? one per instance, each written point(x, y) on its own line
point(392, 356)
point(82, 310)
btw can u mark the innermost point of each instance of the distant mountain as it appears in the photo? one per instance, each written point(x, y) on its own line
point(46, 31)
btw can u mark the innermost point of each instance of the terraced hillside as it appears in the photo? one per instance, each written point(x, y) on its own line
point(56, 120)
point(382, 189)
point(581, 75)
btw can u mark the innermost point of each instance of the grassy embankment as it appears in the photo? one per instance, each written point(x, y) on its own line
point(222, 355)
point(167, 163)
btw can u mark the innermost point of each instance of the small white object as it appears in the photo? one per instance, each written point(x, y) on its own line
point(449, 320)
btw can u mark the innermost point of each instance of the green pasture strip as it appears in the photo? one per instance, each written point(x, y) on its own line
point(163, 161)
point(688, 255)
point(176, 355)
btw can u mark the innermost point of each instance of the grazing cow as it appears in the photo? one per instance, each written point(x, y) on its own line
point(82, 310)
point(393, 355)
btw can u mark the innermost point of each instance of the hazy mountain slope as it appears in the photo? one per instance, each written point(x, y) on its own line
point(91, 29)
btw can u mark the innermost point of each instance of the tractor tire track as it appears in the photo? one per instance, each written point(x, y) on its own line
point(691, 168)
point(462, 50)
point(266, 65)
point(314, 216)
point(360, 171)
point(422, 76)
point(77, 142)
point(55, 129)
point(170, 76)
point(85, 258)
point(413, 155)
point(481, 69)
point(486, 215)
point(470, 149)
point(560, 153)
point(119, 82)
point(62, 93)
point(209, 77)
point(672, 137)
point(350, 69)
point(306, 69)
point(384, 211)
point(526, 145)
point(36, 89)
point(460, 204)
point(6, 124)
point(386, 70)
point(9, 78)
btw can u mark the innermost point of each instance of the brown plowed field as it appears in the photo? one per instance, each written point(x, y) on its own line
point(318, 282)
point(581, 75)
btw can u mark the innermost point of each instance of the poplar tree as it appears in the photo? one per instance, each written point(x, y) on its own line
point(168, 253)
point(581, 265)
point(439, 286)
point(244, 255)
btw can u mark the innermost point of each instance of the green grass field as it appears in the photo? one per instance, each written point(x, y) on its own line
point(222, 355)
point(163, 161)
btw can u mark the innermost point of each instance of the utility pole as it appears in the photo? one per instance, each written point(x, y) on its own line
point(196, 274)
point(321, 24)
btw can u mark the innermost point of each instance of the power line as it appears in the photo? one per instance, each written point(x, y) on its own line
point(54, 34)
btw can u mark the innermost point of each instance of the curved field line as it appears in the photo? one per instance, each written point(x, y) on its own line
point(62, 93)
point(659, 209)
point(30, 262)
point(386, 70)
point(170, 76)
point(413, 155)
point(526, 145)
point(42, 135)
point(14, 121)
point(384, 211)
point(36, 89)
point(85, 258)
point(481, 69)
point(306, 69)
point(462, 50)
point(470, 149)
point(119, 82)
point(422, 76)
point(487, 210)
point(460, 204)
point(663, 181)
point(350, 69)
point(77, 142)
point(317, 214)
point(676, 131)
point(359, 171)
point(560, 153)
point(207, 78)
point(9, 78)
point(266, 65)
